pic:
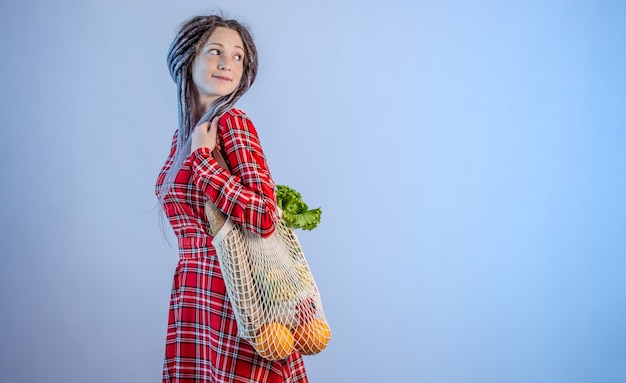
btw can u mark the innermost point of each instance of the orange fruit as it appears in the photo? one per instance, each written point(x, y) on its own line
point(274, 341)
point(312, 337)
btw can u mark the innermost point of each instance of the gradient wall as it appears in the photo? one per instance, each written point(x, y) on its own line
point(470, 158)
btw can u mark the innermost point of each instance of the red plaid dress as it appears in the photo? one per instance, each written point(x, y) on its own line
point(202, 343)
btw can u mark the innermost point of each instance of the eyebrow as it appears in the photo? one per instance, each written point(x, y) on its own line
point(221, 45)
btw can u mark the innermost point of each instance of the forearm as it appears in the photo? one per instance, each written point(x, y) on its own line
point(249, 201)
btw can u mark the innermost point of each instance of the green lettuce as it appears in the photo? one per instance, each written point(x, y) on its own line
point(296, 213)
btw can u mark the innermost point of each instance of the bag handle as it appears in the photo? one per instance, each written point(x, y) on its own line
point(217, 154)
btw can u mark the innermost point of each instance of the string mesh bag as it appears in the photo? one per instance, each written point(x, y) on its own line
point(275, 299)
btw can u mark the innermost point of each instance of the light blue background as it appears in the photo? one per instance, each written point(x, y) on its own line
point(469, 156)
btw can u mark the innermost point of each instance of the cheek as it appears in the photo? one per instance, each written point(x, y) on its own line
point(239, 73)
point(197, 71)
point(200, 68)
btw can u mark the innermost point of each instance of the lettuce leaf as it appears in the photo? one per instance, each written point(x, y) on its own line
point(295, 212)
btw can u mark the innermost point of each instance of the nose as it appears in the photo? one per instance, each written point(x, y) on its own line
point(224, 64)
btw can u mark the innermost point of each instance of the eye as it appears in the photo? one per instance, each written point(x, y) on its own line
point(214, 51)
point(238, 57)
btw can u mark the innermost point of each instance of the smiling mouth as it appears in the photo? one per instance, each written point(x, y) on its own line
point(222, 78)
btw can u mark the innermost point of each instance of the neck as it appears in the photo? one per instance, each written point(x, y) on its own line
point(203, 104)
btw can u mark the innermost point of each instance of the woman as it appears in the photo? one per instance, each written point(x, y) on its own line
point(214, 62)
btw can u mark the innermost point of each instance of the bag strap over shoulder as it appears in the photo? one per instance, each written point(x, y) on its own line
point(217, 154)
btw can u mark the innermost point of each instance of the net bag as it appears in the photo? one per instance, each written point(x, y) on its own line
point(273, 294)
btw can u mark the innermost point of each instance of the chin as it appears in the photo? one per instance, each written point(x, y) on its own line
point(225, 92)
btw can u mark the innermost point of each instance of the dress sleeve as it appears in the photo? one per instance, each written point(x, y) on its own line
point(246, 192)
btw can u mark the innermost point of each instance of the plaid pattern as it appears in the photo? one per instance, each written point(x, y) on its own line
point(202, 343)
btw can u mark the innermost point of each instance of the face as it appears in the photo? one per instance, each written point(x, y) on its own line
point(218, 67)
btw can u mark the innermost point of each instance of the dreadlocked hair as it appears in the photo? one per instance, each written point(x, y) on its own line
point(192, 35)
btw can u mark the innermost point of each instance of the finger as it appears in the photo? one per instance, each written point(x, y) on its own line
point(214, 124)
point(204, 126)
point(214, 130)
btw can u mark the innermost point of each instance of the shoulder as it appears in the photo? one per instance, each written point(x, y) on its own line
point(236, 120)
point(233, 115)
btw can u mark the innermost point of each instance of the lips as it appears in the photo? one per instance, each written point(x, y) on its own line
point(222, 78)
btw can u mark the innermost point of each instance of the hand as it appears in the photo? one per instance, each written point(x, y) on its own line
point(205, 136)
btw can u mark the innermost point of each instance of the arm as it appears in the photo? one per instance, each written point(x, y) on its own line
point(246, 193)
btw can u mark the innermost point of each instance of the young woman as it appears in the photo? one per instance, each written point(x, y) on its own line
point(213, 61)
